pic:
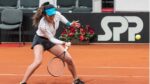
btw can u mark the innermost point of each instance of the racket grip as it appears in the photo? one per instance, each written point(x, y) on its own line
point(66, 48)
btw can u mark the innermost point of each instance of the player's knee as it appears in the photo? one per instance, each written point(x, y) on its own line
point(69, 60)
point(37, 61)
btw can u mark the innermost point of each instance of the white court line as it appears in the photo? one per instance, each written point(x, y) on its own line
point(107, 67)
point(116, 67)
point(102, 76)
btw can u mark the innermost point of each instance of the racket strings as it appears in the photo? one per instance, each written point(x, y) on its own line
point(56, 67)
point(62, 56)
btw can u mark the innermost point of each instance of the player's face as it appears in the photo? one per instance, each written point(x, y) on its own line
point(50, 18)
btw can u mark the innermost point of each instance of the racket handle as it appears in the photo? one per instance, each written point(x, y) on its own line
point(66, 48)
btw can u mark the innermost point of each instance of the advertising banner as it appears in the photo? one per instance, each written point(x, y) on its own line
point(116, 27)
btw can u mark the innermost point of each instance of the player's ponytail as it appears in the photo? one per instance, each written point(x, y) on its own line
point(39, 14)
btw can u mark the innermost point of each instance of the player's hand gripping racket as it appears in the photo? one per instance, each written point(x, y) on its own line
point(56, 65)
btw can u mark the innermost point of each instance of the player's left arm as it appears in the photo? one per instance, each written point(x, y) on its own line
point(68, 23)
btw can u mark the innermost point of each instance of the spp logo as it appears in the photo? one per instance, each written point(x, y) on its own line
point(117, 31)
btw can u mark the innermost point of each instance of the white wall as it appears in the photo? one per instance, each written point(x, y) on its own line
point(132, 5)
point(54, 2)
point(97, 6)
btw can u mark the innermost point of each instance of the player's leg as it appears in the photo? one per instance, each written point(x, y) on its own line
point(38, 52)
point(59, 49)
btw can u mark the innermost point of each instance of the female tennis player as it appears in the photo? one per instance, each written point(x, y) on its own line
point(47, 20)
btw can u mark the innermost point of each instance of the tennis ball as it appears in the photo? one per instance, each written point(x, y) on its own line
point(138, 37)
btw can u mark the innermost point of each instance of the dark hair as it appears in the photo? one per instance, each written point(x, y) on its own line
point(40, 12)
point(47, 7)
point(46, 3)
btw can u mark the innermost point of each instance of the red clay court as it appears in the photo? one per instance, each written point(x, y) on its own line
point(96, 64)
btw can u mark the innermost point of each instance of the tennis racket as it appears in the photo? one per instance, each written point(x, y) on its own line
point(56, 65)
